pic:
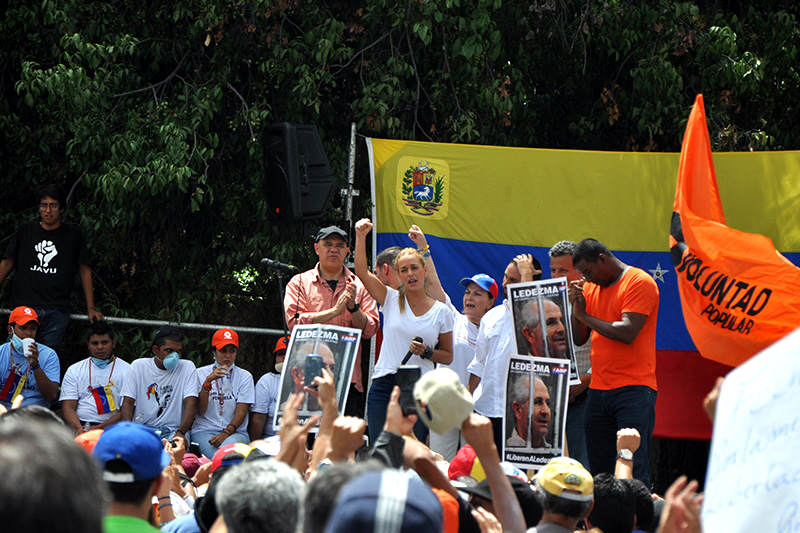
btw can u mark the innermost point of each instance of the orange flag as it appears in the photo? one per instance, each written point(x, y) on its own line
point(738, 293)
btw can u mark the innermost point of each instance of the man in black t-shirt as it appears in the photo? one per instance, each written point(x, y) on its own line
point(46, 255)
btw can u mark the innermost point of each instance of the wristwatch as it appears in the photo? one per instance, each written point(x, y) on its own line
point(626, 454)
point(353, 309)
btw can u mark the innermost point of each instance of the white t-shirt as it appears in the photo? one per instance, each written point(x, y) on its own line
point(400, 328)
point(464, 335)
point(243, 392)
point(158, 393)
point(76, 386)
point(493, 348)
point(267, 399)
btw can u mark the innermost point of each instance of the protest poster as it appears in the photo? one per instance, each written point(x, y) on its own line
point(535, 415)
point(543, 306)
point(753, 478)
point(336, 347)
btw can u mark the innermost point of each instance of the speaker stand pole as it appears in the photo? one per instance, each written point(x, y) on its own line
point(350, 192)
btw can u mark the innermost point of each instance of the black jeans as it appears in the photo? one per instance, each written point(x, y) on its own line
point(610, 410)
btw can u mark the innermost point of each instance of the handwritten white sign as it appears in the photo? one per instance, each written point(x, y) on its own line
point(753, 480)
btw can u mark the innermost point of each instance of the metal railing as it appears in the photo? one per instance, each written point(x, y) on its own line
point(186, 325)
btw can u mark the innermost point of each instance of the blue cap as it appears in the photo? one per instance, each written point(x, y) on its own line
point(484, 281)
point(139, 447)
point(386, 500)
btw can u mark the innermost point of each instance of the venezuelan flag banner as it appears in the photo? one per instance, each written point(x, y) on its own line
point(739, 295)
point(104, 399)
point(481, 205)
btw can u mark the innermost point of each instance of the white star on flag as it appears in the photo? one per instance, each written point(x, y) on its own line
point(658, 273)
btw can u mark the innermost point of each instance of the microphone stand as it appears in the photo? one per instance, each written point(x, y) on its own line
point(282, 295)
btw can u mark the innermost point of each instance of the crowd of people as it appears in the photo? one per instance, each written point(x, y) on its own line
point(161, 443)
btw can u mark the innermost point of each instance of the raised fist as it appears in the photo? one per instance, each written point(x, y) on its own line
point(45, 251)
point(363, 227)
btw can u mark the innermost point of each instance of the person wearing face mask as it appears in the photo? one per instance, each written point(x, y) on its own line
point(160, 391)
point(225, 394)
point(267, 389)
point(27, 368)
point(91, 392)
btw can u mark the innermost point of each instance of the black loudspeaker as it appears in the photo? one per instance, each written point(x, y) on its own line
point(299, 180)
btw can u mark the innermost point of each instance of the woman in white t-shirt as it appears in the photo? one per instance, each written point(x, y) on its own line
point(407, 313)
point(480, 293)
point(224, 398)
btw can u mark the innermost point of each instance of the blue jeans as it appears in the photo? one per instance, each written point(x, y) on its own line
point(165, 432)
point(576, 430)
point(52, 326)
point(207, 449)
point(380, 390)
point(607, 411)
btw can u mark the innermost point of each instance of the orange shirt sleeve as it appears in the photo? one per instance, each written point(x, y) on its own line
point(641, 295)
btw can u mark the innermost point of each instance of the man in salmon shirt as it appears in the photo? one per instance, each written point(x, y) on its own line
point(618, 305)
point(330, 293)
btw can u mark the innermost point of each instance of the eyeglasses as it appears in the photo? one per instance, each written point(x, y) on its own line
point(45, 206)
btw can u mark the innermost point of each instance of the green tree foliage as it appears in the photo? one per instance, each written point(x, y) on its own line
point(151, 113)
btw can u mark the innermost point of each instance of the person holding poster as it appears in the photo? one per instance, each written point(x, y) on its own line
point(494, 345)
point(408, 313)
point(618, 305)
point(561, 267)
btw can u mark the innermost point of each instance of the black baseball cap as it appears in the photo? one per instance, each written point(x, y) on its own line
point(331, 230)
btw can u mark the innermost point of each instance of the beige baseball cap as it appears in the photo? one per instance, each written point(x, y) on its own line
point(443, 403)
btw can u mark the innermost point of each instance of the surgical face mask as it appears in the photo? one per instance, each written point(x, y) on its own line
point(101, 363)
point(279, 367)
point(171, 361)
point(16, 342)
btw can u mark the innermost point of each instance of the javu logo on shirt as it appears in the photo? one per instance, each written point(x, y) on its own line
point(45, 252)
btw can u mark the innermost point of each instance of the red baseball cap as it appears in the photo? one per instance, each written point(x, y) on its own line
point(22, 315)
point(282, 343)
point(223, 337)
point(466, 463)
point(233, 454)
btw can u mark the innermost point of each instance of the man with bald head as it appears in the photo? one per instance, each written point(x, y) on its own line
point(297, 370)
point(552, 343)
point(538, 421)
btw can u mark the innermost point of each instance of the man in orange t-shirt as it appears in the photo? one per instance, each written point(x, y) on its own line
point(618, 305)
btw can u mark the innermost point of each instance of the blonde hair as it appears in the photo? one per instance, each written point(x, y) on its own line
point(401, 301)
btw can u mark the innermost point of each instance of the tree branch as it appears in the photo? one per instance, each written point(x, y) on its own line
point(246, 110)
point(159, 84)
point(373, 43)
point(419, 84)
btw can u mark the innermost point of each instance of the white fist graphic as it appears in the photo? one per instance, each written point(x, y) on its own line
point(45, 251)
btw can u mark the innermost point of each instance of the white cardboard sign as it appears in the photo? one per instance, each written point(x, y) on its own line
point(753, 479)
